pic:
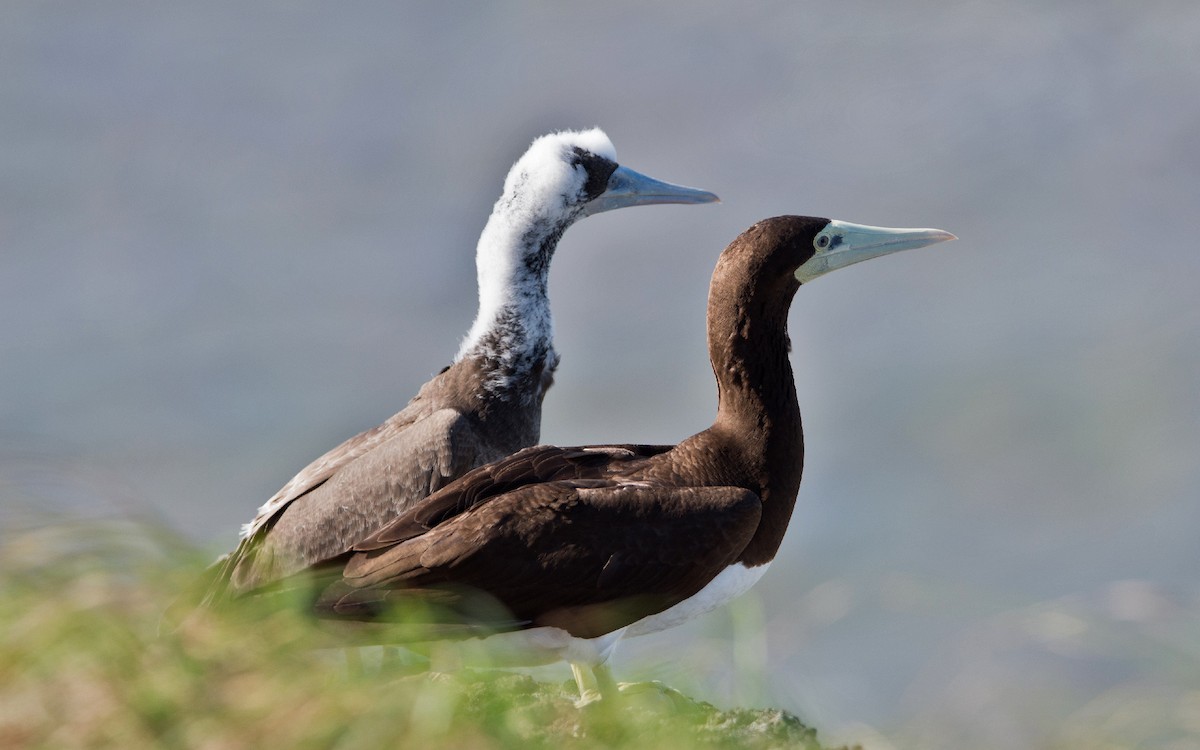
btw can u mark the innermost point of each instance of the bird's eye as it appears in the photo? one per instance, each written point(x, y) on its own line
point(822, 242)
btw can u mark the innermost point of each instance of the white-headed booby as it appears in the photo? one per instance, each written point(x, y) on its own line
point(485, 405)
point(582, 545)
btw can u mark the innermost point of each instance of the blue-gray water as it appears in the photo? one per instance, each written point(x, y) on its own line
point(232, 235)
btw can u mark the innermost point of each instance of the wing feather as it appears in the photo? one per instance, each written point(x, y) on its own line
point(366, 485)
point(588, 559)
point(530, 466)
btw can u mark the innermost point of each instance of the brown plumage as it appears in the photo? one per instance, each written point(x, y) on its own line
point(485, 406)
point(592, 540)
point(445, 431)
point(575, 538)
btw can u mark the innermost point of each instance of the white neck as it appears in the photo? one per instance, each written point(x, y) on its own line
point(513, 324)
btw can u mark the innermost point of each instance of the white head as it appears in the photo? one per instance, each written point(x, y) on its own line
point(565, 176)
point(561, 178)
point(557, 176)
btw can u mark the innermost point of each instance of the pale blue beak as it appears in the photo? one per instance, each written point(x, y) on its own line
point(629, 188)
point(841, 244)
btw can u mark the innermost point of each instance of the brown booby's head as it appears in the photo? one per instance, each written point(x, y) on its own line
point(790, 249)
point(761, 270)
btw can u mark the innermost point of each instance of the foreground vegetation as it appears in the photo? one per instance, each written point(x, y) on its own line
point(87, 660)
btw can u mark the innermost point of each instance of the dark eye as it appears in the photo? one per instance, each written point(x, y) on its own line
point(823, 241)
point(596, 168)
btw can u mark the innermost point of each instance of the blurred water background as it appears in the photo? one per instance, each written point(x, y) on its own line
point(232, 235)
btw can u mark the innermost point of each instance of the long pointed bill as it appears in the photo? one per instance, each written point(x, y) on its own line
point(841, 244)
point(629, 188)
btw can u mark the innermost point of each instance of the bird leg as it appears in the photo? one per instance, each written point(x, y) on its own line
point(595, 683)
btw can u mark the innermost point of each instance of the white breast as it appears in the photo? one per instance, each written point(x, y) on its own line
point(728, 585)
point(544, 645)
point(530, 648)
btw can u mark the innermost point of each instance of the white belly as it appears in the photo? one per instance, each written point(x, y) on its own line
point(728, 585)
point(545, 645)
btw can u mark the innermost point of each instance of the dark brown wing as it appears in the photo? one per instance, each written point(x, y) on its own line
point(531, 466)
point(584, 558)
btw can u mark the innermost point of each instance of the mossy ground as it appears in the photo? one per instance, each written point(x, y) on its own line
point(86, 661)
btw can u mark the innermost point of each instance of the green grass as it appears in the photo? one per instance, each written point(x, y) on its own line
point(87, 660)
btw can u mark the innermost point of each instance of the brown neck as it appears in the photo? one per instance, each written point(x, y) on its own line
point(758, 417)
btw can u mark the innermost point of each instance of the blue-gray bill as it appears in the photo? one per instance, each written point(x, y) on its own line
point(841, 244)
point(629, 188)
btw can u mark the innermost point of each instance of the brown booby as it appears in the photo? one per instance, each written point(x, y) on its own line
point(485, 405)
point(583, 545)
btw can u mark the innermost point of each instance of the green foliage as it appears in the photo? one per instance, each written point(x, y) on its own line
point(88, 660)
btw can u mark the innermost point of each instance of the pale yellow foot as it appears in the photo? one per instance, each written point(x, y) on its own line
point(594, 683)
